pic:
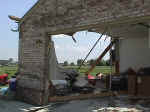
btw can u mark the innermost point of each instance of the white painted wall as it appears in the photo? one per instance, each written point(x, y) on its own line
point(134, 51)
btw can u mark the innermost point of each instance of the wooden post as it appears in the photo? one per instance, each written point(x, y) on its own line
point(100, 57)
point(117, 65)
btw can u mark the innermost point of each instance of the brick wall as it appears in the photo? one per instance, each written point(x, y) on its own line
point(62, 14)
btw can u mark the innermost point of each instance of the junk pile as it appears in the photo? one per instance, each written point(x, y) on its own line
point(71, 85)
point(9, 92)
point(117, 82)
point(135, 82)
point(138, 82)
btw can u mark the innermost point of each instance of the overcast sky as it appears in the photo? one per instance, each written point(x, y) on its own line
point(66, 49)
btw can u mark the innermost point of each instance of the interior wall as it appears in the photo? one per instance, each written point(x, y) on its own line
point(134, 52)
point(56, 72)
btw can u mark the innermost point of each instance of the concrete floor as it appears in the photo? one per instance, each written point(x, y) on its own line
point(13, 106)
point(77, 106)
point(72, 106)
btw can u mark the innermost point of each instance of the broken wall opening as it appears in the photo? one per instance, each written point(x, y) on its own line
point(58, 71)
point(78, 49)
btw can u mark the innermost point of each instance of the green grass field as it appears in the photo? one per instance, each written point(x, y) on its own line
point(101, 69)
point(10, 70)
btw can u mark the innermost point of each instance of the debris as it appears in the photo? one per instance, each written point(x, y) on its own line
point(42, 108)
point(16, 19)
point(81, 82)
point(3, 91)
point(144, 71)
point(117, 109)
point(4, 79)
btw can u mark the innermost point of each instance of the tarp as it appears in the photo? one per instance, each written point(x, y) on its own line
point(3, 90)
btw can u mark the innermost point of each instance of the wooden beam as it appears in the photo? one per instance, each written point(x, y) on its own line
point(79, 97)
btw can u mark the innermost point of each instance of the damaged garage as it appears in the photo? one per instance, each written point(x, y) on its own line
point(126, 22)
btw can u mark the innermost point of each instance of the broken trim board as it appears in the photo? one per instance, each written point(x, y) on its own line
point(79, 97)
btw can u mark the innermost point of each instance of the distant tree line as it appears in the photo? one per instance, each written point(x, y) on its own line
point(67, 64)
point(88, 63)
point(101, 63)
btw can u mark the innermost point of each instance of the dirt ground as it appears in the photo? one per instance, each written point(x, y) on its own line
point(81, 106)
